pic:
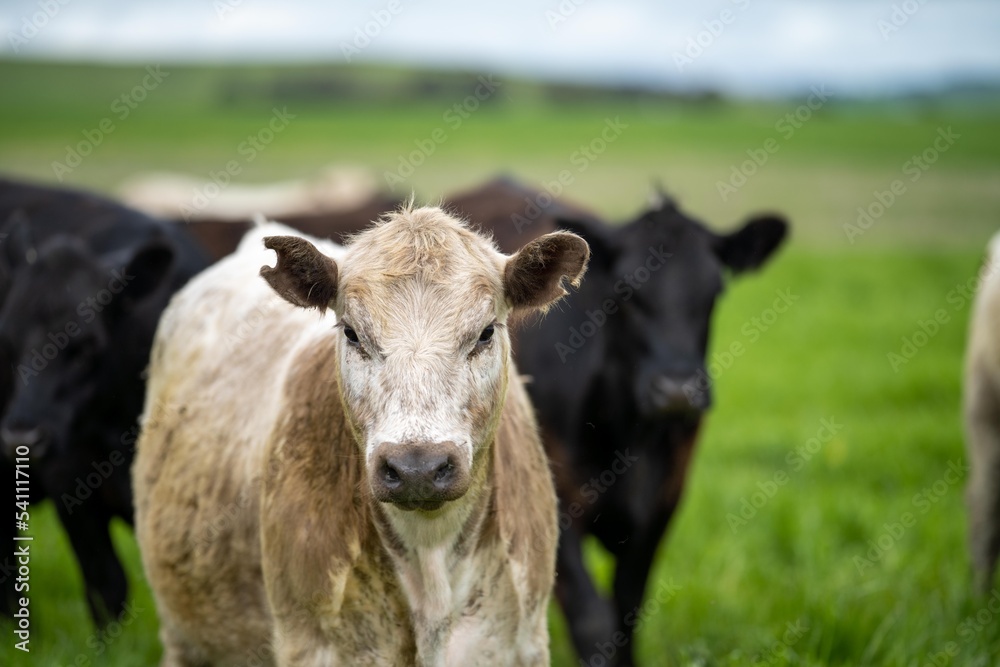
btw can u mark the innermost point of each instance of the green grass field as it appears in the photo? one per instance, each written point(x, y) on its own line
point(786, 550)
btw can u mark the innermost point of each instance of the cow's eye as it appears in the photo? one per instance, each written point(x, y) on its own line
point(351, 335)
point(486, 336)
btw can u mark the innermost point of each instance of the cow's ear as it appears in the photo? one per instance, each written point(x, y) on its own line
point(140, 271)
point(533, 277)
point(751, 245)
point(303, 276)
point(595, 234)
point(16, 245)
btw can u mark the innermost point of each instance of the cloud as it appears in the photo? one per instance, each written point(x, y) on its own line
point(769, 46)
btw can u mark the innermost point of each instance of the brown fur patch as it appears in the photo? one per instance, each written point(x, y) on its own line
point(310, 449)
point(303, 276)
point(533, 277)
point(524, 496)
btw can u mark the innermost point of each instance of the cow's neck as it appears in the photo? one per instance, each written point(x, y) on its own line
point(432, 555)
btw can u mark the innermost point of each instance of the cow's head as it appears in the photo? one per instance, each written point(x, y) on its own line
point(422, 305)
point(63, 310)
point(665, 270)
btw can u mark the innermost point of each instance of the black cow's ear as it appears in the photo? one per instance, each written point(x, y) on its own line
point(16, 245)
point(303, 276)
point(138, 272)
point(750, 246)
point(533, 276)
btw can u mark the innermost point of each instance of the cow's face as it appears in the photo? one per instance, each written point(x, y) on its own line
point(422, 305)
point(62, 312)
point(665, 272)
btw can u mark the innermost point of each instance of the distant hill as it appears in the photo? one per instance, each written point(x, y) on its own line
point(335, 85)
point(319, 84)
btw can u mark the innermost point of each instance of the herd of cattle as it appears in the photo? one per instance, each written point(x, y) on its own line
point(335, 459)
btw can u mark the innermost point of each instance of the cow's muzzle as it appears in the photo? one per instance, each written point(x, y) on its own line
point(418, 475)
point(19, 442)
point(677, 395)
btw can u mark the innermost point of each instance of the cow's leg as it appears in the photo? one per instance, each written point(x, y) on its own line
point(177, 652)
point(631, 573)
point(590, 617)
point(173, 657)
point(982, 417)
point(103, 576)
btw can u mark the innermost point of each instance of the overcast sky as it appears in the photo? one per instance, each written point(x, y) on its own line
point(760, 47)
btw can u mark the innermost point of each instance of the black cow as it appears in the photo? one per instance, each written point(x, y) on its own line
point(84, 281)
point(619, 385)
point(511, 212)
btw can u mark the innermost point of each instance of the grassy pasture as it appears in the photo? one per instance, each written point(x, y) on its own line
point(819, 444)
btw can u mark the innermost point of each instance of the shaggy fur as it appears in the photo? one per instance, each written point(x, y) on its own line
point(982, 421)
point(254, 513)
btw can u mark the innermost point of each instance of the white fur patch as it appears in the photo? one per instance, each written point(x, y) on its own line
point(993, 251)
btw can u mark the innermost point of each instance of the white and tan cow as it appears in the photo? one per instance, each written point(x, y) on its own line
point(982, 420)
point(337, 188)
point(359, 480)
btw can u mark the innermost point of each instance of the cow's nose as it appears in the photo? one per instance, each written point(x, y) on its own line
point(419, 475)
point(673, 394)
point(24, 441)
